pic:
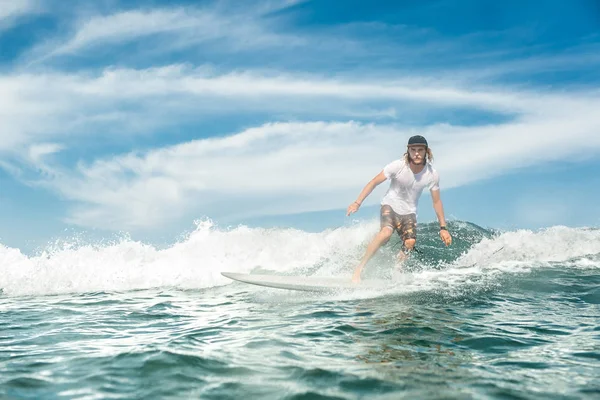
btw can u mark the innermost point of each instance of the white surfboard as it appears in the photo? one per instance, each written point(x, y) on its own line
point(309, 284)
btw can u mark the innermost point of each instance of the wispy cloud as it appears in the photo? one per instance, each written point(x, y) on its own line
point(312, 166)
point(171, 29)
point(38, 151)
point(226, 29)
point(270, 160)
point(348, 123)
point(80, 104)
point(12, 9)
point(236, 28)
point(304, 161)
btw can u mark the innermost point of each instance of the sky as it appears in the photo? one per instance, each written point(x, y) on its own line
point(143, 117)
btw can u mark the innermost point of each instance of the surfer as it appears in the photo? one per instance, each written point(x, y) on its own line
point(409, 176)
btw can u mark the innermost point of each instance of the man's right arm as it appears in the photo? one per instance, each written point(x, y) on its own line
point(380, 178)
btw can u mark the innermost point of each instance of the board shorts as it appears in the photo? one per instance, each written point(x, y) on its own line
point(405, 225)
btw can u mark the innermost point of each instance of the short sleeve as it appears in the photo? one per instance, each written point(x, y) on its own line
point(435, 181)
point(392, 168)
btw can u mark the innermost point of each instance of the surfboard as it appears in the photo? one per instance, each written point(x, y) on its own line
point(308, 283)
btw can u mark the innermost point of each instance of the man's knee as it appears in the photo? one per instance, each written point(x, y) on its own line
point(409, 244)
point(386, 233)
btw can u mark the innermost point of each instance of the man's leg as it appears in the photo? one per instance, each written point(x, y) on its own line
point(408, 232)
point(379, 240)
point(409, 245)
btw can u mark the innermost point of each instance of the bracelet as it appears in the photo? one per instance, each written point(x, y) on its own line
point(356, 202)
point(443, 228)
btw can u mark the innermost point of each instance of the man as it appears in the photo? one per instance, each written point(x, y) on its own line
point(409, 176)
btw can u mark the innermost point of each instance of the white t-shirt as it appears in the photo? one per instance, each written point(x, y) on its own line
point(406, 187)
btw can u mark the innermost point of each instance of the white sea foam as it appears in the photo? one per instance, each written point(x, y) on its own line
point(195, 262)
point(198, 260)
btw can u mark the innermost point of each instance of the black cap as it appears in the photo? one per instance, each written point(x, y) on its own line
point(418, 139)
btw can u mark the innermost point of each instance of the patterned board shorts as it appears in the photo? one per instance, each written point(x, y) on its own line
point(405, 225)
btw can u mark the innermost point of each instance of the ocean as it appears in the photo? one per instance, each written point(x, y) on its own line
point(498, 315)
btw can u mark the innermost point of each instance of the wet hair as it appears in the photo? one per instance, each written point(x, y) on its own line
point(428, 156)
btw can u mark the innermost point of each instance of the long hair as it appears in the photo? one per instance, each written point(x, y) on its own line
point(428, 156)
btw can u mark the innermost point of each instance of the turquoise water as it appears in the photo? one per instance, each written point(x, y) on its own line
point(510, 315)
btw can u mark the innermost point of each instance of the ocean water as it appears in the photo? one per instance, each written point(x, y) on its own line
point(498, 315)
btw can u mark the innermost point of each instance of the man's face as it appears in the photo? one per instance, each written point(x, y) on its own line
point(417, 153)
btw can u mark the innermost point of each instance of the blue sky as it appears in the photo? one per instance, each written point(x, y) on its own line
point(142, 117)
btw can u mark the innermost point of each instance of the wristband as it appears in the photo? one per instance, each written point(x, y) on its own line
point(443, 228)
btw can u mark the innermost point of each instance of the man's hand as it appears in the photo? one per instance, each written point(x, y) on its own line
point(352, 208)
point(445, 236)
point(356, 276)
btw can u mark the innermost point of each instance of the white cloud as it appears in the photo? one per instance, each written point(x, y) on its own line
point(279, 167)
point(295, 167)
point(270, 160)
point(237, 27)
point(12, 10)
point(126, 26)
point(38, 151)
point(272, 168)
point(169, 29)
point(251, 34)
point(36, 107)
point(15, 8)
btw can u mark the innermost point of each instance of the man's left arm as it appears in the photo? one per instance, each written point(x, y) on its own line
point(439, 211)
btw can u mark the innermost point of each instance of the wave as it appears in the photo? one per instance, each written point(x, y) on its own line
point(197, 260)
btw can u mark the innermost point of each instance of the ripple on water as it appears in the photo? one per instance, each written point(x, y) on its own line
point(498, 344)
